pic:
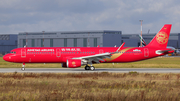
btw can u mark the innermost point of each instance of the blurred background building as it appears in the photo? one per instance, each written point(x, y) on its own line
point(133, 40)
point(70, 39)
point(7, 43)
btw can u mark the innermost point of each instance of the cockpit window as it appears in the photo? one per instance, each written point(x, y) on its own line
point(13, 52)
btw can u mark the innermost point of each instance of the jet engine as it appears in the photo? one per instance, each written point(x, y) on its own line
point(74, 63)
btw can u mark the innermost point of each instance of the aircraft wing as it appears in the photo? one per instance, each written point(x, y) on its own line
point(99, 57)
point(96, 58)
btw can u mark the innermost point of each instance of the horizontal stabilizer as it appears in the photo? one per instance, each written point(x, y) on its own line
point(164, 51)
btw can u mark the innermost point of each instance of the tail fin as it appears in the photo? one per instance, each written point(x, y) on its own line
point(161, 38)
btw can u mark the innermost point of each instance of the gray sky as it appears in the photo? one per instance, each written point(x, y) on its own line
point(82, 15)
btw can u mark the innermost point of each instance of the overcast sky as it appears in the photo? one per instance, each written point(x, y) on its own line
point(84, 15)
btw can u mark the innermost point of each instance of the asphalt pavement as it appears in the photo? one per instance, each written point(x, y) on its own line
point(79, 70)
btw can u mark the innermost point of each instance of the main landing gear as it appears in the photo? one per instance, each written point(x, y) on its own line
point(89, 67)
point(23, 67)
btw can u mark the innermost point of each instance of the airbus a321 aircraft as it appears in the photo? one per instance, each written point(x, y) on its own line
point(73, 57)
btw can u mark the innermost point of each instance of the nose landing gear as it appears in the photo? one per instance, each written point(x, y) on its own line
point(23, 67)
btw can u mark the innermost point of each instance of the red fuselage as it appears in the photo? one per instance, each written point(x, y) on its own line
point(61, 54)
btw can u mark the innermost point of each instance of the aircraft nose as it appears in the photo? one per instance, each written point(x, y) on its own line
point(7, 57)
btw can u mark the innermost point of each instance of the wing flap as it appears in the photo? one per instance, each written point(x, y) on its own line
point(94, 56)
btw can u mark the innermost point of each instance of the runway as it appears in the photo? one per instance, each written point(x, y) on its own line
point(79, 70)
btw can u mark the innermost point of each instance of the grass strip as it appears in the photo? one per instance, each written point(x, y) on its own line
point(95, 86)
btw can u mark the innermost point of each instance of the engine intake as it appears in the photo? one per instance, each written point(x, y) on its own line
point(64, 65)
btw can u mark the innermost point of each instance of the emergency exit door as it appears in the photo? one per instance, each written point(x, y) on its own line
point(146, 52)
point(58, 52)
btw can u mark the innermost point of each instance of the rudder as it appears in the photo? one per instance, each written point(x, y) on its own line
point(161, 38)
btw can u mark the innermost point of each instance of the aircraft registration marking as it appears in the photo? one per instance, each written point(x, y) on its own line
point(70, 49)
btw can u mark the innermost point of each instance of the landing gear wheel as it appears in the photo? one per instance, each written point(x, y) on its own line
point(92, 68)
point(22, 69)
point(87, 68)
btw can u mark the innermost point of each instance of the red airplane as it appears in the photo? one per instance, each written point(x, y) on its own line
point(73, 57)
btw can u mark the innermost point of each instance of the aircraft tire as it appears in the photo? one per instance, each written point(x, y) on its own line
point(87, 68)
point(23, 69)
point(92, 68)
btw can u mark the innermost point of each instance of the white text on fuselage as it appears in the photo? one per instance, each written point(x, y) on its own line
point(70, 49)
point(42, 50)
point(136, 50)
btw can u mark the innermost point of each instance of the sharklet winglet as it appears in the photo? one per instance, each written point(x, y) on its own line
point(120, 47)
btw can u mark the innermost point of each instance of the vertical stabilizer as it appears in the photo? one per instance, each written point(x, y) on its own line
point(161, 38)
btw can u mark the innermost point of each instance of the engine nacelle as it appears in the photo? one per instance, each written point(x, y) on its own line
point(74, 63)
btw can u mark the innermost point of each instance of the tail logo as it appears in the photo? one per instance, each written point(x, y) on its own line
point(162, 38)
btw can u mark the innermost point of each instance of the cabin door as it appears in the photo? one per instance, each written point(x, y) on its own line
point(58, 52)
point(146, 52)
point(23, 53)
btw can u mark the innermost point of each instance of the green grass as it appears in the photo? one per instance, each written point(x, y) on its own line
point(164, 62)
point(103, 86)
